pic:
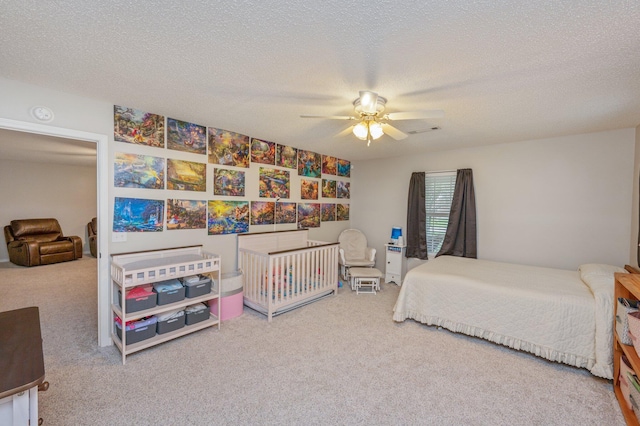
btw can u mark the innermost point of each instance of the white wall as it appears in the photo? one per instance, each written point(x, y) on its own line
point(556, 202)
point(38, 190)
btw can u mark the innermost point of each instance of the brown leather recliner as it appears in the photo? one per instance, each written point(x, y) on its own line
point(92, 232)
point(32, 242)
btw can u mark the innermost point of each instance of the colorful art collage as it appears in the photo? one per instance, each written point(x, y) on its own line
point(273, 183)
point(308, 189)
point(138, 127)
point(188, 137)
point(263, 152)
point(228, 182)
point(221, 148)
point(186, 214)
point(227, 217)
point(186, 175)
point(138, 171)
point(308, 215)
point(262, 212)
point(228, 148)
point(138, 215)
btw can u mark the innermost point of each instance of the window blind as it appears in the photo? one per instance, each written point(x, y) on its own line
point(439, 189)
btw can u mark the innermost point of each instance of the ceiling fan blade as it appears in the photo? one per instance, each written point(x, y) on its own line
point(430, 129)
point(393, 132)
point(415, 115)
point(345, 132)
point(369, 102)
point(330, 117)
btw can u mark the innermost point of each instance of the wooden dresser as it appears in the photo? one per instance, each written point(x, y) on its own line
point(21, 366)
point(627, 286)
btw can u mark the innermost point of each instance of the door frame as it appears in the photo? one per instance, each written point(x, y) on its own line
point(102, 174)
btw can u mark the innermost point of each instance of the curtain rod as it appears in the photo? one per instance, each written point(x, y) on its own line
point(444, 171)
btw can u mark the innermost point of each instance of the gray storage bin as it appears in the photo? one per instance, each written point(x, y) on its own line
point(138, 334)
point(196, 316)
point(168, 296)
point(197, 288)
point(171, 324)
point(138, 303)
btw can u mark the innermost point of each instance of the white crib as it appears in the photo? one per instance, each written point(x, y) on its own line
point(284, 270)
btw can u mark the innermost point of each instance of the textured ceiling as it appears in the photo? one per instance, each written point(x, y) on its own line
point(501, 72)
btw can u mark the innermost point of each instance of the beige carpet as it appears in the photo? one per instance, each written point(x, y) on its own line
point(339, 361)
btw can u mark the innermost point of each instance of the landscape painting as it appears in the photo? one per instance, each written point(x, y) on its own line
point(262, 212)
point(344, 189)
point(186, 175)
point(329, 165)
point(188, 137)
point(344, 168)
point(285, 213)
point(286, 156)
point(186, 214)
point(342, 211)
point(138, 171)
point(328, 188)
point(328, 213)
point(138, 127)
point(227, 217)
point(263, 152)
point(308, 215)
point(138, 215)
point(228, 182)
point(308, 189)
point(309, 164)
point(274, 183)
point(228, 148)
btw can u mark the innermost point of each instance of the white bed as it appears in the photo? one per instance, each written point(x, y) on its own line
point(564, 316)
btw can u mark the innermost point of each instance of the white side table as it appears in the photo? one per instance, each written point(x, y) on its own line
point(396, 263)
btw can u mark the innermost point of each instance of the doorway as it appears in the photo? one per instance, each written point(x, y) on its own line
point(102, 198)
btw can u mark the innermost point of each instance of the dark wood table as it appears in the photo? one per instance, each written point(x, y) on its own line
point(21, 358)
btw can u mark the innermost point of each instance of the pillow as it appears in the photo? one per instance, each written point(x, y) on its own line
point(595, 274)
point(599, 279)
point(593, 270)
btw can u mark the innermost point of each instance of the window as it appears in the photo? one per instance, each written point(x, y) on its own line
point(438, 195)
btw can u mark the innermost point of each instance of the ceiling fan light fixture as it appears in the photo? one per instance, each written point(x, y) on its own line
point(375, 129)
point(361, 130)
point(369, 102)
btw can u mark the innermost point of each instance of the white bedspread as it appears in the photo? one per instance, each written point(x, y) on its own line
point(551, 313)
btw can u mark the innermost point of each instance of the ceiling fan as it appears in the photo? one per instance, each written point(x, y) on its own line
point(373, 122)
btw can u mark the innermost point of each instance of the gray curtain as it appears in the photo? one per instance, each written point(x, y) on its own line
point(460, 239)
point(416, 218)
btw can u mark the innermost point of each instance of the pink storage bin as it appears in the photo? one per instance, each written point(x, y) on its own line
point(231, 296)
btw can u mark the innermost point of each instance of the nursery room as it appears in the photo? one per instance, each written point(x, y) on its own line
point(301, 213)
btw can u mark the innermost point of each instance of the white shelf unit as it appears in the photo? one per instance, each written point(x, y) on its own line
point(146, 267)
point(396, 263)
